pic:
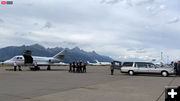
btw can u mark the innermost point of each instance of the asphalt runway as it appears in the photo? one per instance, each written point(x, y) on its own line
point(95, 85)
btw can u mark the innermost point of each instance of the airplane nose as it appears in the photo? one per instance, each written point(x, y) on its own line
point(5, 62)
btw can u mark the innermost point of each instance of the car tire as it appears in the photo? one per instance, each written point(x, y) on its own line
point(131, 73)
point(164, 73)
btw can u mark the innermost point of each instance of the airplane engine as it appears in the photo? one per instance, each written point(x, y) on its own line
point(53, 61)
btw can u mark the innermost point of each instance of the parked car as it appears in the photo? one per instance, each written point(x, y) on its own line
point(145, 67)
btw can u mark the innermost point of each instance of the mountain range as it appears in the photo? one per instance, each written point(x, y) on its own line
point(74, 54)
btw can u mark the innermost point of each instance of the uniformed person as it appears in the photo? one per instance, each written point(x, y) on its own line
point(80, 67)
point(70, 67)
point(74, 66)
point(112, 68)
point(15, 66)
point(84, 67)
point(175, 68)
point(77, 67)
point(178, 68)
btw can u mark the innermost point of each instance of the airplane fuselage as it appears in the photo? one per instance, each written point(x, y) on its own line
point(40, 61)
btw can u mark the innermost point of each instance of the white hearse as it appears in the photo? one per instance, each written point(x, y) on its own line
point(146, 68)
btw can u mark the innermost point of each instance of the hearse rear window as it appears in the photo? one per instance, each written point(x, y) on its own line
point(127, 64)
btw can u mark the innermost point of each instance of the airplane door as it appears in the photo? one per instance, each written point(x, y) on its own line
point(27, 57)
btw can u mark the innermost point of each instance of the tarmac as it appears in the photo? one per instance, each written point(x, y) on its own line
point(95, 85)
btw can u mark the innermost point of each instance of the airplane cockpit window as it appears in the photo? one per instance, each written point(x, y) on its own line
point(19, 58)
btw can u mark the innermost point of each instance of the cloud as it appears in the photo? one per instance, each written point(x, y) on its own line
point(156, 9)
point(173, 20)
point(47, 25)
point(139, 50)
point(128, 2)
point(1, 20)
point(135, 29)
point(110, 1)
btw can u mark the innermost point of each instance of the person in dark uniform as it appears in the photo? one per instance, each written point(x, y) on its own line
point(178, 68)
point(74, 66)
point(80, 67)
point(112, 68)
point(175, 68)
point(84, 67)
point(77, 67)
point(70, 67)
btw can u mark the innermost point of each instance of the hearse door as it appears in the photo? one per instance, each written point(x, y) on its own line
point(153, 68)
point(142, 68)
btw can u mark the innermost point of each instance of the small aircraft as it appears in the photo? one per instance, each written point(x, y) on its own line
point(99, 63)
point(94, 64)
point(102, 63)
point(27, 60)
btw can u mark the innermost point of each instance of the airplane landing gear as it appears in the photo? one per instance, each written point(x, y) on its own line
point(19, 68)
point(49, 68)
point(36, 68)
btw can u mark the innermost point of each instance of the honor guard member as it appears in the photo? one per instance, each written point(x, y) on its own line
point(15, 66)
point(178, 68)
point(77, 67)
point(80, 67)
point(84, 67)
point(74, 66)
point(175, 68)
point(112, 68)
point(70, 67)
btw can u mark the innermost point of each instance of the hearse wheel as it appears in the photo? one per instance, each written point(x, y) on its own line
point(131, 72)
point(164, 73)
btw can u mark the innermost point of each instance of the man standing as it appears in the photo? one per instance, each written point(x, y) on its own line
point(70, 67)
point(178, 68)
point(80, 67)
point(175, 67)
point(74, 66)
point(84, 67)
point(15, 66)
point(112, 68)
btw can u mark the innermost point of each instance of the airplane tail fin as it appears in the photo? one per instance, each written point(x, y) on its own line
point(60, 55)
point(97, 61)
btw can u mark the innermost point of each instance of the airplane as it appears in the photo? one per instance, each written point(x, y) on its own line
point(27, 60)
point(94, 64)
point(102, 63)
point(99, 63)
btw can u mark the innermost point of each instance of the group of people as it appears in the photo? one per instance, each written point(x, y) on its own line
point(77, 67)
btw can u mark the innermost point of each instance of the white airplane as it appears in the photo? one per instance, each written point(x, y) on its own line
point(28, 60)
point(99, 63)
point(102, 63)
point(94, 64)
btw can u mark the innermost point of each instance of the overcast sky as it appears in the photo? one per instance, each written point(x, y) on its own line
point(138, 29)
